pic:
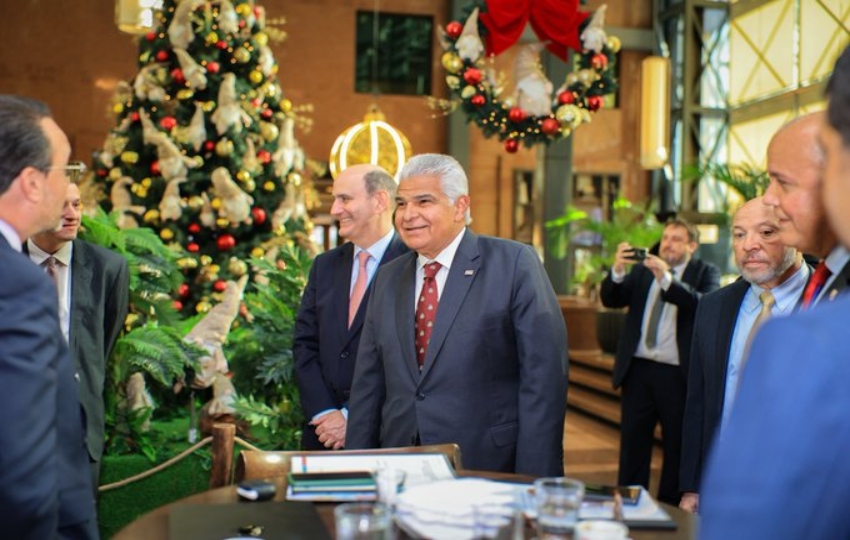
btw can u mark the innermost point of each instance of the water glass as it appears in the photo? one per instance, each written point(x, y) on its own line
point(558, 501)
point(389, 483)
point(362, 521)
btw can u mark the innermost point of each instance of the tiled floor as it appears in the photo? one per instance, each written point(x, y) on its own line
point(591, 450)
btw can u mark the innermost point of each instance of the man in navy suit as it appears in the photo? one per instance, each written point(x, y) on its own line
point(781, 469)
point(795, 165)
point(479, 359)
point(93, 286)
point(651, 365)
point(724, 324)
point(327, 329)
point(45, 485)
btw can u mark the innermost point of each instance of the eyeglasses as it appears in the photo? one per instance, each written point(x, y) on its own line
point(73, 171)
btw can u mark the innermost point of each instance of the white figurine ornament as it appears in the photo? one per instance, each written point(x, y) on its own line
point(171, 205)
point(194, 74)
point(288, 155)
point(123, 203)
point(229, 112)
point(180, 31)
point(228, 21)
point(235, 203)
point(533, 87)
point(146, 86)
point(172, 163)
point(469, 44)
point(593, 36)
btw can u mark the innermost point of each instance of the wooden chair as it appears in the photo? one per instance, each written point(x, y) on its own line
point(254, 465)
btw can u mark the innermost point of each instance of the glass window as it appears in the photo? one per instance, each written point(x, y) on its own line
point(393, 54)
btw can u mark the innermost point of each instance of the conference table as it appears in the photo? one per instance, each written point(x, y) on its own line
point(155, 524)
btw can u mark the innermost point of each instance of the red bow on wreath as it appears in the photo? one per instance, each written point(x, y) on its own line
point(556, 23)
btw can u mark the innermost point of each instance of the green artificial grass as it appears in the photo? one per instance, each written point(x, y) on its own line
point(122, 505)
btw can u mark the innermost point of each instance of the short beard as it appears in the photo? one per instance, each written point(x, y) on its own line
point(772, 272)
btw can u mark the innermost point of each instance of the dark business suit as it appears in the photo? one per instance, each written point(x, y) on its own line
point(325, 348)
point(838, 285)
point(781, 469)
point(655, 391)
point(45, 486)
point(714, 326)
point(493, 379)
point(100, 290)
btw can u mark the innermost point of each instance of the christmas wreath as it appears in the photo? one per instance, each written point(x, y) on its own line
point(533, 114)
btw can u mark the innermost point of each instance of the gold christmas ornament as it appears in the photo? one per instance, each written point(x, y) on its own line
point(285, 105)
point(571, 79)
point(243, 175)
point(261, 38)
point(255, 77)
point(215, 203)
point(152, 216)
point(451, 62)
point(166, 234)
point(184, 94)
point(371, 141)
point(196, 202)
point(118, 108)
point(452, 81)
point(206, 260)
point(147, 182)
point(222, 223)
point(208, 106)
point(187, 262)
point(242, 55)
point(613, 43)
point(586, 76)
point(269, 131)
point(250, 186)
point(268, 185)
point(211, 38)
point(224, 147)
point(129, 157)
point(237, 267)
point(258, 252)
point(243, 9)
point(115, 173)
point(203, 307)
point(468, 91)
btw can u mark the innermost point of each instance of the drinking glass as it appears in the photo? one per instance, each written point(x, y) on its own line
point(558, 501)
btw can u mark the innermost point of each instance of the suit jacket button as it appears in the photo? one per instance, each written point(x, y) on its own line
point(420, 396)
point(344, 354)
point(77, 376)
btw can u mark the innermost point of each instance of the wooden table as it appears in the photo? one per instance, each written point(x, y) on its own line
point(154, 524)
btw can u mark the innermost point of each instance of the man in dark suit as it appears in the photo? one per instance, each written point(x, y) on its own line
point(725, 322)
point(795, 165)
point(662, 294)
point(781, 471)
point(45, 486)
point(327, 329)
point(463, 340)
point(93, 286)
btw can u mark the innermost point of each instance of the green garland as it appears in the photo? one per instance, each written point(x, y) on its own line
point(481, 101)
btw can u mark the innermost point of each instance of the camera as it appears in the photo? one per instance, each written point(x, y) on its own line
point(636, 254)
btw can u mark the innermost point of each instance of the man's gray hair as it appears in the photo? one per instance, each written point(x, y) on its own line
point(453, 181)
point(380, 180)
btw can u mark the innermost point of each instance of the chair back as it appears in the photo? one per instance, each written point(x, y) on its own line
point(253, 465)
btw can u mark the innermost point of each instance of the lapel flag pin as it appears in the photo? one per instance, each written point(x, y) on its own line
point(469, 273)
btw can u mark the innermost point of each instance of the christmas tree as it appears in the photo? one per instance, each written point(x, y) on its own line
point(203, 149)
point(204, 153)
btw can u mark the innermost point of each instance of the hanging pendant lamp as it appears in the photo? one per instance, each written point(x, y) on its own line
point(371, 141)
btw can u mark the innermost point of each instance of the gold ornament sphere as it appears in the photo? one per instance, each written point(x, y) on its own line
point(269, 131)
point(258, 252)
point(196, 202)
point(250, 186)
point(371, 141)
point(243, 175)
point(268, 185)
point(224, 147)
point(166, 234)
point(613, 43)
point(255, 77)
point(216, 204)
point(151, 216)
point(129, 157)
point(242, 55)
point(451, 62)
point(222, 223)
point(285, 105)
point(571, 79)
point(261, 38)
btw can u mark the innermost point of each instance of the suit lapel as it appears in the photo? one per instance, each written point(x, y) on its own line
point(341, 287)
point(725, 330)
point(82, 293)
point(462, 273)
point(404, 314)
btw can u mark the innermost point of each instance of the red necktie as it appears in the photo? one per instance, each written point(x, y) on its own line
point(359, 286)
point(50, 265)
point(815, 284)
point(426, 311)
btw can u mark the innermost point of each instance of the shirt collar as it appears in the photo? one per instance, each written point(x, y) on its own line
point(837, 258)
point(376, 250)
point(38, 255)
point(446, 256)
point(786, 293)
point(11, 235)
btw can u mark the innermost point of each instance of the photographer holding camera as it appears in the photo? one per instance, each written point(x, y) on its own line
point(661, 292)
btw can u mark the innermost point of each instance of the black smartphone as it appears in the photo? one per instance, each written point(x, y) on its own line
point(256, 490)
point(599, 492)
point(636, 254)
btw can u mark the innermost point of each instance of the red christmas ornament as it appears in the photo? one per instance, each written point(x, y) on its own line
point(478, 100)
point(209, 146)
point(155, 168)
point(134, 116)
point(511, 145)
point(266, 114)
point(225, 242)
point(599, 61)
point(550, 126)
point(516, 114)
point(178, 305)
point(213, 67)
point(168, 122)
point(221, 44)
point(241, 24)
point(150, 36)
point(472, 76)
point(259, 215)
point(183, 290)
point(566, 97)
point(454, 29)
point(194, 228)
point(258, 12)
point(220, 285)
point(192, 247)
point(162, 56)
point(102, 173)
point(264, 156)
point(594, 103)
point(177, 75)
